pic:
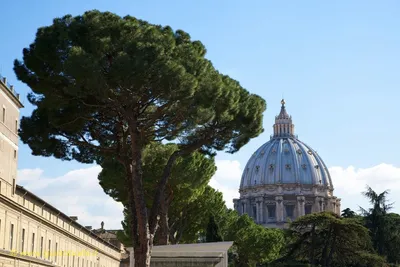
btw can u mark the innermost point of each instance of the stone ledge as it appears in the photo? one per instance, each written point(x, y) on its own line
point(11, 255)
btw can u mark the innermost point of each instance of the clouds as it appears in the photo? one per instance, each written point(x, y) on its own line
point(227, 180)
point(350, 182)
point(78, 193)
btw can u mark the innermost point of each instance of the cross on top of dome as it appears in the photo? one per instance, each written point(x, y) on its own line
point(283, 114)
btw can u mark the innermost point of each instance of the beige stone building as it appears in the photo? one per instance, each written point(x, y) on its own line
point(285, 179)
point(33, 233)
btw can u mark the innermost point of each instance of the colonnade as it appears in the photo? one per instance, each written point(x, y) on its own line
point(260, 208)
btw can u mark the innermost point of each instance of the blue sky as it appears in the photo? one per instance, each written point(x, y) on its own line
point(337, 64)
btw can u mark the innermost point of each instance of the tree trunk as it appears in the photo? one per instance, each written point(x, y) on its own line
point(163, 231)
point(144, 240)
point(159, 196)
point(142, 257)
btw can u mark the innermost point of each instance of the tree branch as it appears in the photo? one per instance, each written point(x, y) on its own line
point(164, 179)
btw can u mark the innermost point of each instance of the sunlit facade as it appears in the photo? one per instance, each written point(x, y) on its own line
point(33, 232)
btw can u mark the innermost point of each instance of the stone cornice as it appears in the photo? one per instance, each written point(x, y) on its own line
point(11, 96)
point(283, 187)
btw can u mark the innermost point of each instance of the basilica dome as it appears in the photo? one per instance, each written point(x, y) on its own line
point(285, 178)
point(285, 160)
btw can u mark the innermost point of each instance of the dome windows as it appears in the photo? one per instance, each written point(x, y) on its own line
point(290, 168)
point(284, 159)
point(271, 167)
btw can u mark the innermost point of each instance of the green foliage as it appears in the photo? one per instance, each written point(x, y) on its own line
point(189, 174)
point(125, 235)
point(288, 263)
point(212, 233)
point(189, 178)
point(105, 87)
point(328, 240)
point(189, 223)
point(384, 227)
point(348, 213)
point(253, 243)
point(93, 75)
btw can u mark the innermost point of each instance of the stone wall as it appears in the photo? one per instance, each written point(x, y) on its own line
point(189, 255)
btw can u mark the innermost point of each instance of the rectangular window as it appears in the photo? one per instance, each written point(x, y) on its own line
point(11, 236)
point(41, 247)
point(15, 154)
point(4, 115)
point(13, 189)
point(16, 126)
point(23, 240)
point(33, 206)
point(289, 211)
point(254, 212)
point(33, 243)
point(48, 256)
point(55, 257)
point(308, 209)
point(271, 212)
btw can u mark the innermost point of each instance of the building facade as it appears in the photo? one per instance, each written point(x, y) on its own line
point(33, 233)
point(285, 179)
